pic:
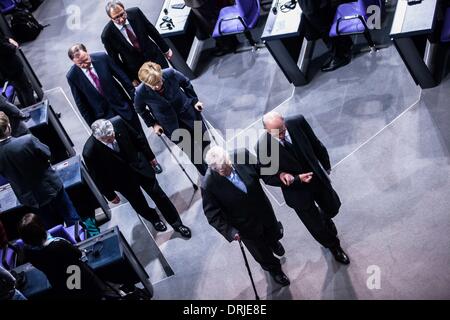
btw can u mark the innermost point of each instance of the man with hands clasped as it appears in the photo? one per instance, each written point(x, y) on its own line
point(303, 169)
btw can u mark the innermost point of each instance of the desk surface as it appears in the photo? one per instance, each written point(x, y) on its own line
point(69, 171)
point(413, 19)
point(282, 24)
point(38, 113)
point(179, 18)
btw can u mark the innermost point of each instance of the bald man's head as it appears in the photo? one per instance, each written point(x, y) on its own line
point(275, 125)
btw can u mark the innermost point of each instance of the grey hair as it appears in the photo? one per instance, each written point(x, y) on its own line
point(102, 128)
point(272, 115)
point(216, 157)
point(76, 48)
point(111, 5)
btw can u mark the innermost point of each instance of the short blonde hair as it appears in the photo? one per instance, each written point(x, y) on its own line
point(150, 73)
point(4, 124)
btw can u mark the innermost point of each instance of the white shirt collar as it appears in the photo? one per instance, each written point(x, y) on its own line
point(120, 27)
point(287, 137)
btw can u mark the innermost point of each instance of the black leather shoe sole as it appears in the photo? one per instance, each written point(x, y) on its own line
point(160, 226)
point(184, 231)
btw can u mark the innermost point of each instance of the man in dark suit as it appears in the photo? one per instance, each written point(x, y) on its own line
point(25, 163)
point(16, 117)
point(318, 15)
point(117, 160)
point(130, 40)
point(237, 207)
point(302, 169)
point(97, 94)
point(11, 68)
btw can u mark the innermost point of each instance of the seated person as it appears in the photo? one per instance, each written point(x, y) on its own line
point(8, 289)
point(54, 256)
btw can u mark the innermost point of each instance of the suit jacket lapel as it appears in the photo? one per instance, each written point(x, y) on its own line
point(283, 151)
point(300, 141)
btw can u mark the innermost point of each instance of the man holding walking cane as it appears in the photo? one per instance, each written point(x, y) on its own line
point(237, 207)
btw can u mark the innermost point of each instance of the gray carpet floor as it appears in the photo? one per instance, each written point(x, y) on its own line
point(388, 141)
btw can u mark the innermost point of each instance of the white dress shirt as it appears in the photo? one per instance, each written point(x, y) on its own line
point(124, 32)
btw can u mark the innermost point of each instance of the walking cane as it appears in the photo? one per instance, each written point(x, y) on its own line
point(248, 269)
point(208, 128)
point(176, 159)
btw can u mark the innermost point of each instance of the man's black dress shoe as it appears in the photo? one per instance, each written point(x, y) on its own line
point(280, 278)
point(278, 249)
point(160, 226)
point(336, 63)
point(340, 255)
point(184, 231)
point(158, 169)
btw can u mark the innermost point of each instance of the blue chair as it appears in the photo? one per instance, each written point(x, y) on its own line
point(351, 18)
point(238, 18)
point(445, 33)
point(7, 6)
point(8, 92)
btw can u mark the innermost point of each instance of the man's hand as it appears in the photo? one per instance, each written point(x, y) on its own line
point(158, 129)
point(306, 178)
point(237, 237)
point(136, 83)
point(169, 54)
point(116, 200)
point(287, 178)
point(199, 106)
point(13, 42)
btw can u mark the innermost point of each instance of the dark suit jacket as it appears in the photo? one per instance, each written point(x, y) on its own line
point(124, 54)
point(176, 106)
point(90, 102)
point(312, 6)
point(306, 144)
point(229, 210)
point(116, 171)
point(25, 162)
point(15, 117)
point(10, 64)
point(54, 259)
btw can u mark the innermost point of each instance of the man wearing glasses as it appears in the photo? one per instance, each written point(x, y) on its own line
point(131, 40)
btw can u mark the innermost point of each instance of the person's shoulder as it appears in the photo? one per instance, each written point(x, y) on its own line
point(207, 180)
point(133, 11)
point(107, 31)
point(71, 73)
point(99, 55)
point(88, 146)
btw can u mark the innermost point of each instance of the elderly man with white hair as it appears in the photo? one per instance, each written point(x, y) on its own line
point(303, 169)
point(237, 207)
point(118, 160)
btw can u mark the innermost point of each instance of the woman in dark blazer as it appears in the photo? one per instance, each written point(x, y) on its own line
point(166, 100)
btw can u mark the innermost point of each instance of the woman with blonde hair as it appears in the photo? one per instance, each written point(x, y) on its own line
point(166, 100)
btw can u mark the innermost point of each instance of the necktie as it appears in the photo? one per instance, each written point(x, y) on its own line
point(235, 179)
point(287, 145)
point(116, 146)
point(132, 37)
point(96, 80)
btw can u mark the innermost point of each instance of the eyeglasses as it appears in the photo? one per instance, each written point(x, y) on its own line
point(120, 16)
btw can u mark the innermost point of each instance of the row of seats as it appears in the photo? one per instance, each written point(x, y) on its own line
point(74, 234)
point(350, 18)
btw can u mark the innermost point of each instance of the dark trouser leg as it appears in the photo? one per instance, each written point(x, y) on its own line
point(262, 253)
point(24, 89)
point(198, 148)
point(317, 225)
point(319, 24)
point(61, 207)
point(137, 200)
point(162, 201)
point(136, 125)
